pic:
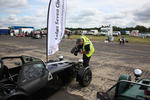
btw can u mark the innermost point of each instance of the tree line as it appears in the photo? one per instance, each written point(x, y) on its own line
point(142, 29)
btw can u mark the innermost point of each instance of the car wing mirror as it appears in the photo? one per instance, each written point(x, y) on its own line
point(29, 59)
point(17, 63)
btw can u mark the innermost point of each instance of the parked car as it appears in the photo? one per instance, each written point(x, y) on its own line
point(116, 33)
point(21, 76)
point(125, 89)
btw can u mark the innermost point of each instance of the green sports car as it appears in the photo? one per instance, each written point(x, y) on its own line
point(125, 89)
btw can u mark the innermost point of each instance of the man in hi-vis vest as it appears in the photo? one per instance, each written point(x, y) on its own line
point(85, 47)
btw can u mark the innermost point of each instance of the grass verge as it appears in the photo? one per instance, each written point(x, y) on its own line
point(131, 39)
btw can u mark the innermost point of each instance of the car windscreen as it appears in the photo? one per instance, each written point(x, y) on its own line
point(28, 59)
point(31, 71)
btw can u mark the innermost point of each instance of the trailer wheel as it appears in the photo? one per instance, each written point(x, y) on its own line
point(84, 76)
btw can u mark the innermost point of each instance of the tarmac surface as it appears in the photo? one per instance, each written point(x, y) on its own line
point(108, 62)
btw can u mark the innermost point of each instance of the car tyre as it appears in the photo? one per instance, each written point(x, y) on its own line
point(84, 77)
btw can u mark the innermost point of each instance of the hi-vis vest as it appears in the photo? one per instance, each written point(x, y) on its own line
point(86, 42)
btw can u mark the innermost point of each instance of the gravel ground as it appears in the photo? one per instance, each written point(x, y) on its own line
point(108, 62)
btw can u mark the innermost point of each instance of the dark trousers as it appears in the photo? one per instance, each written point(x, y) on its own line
point(86, 60)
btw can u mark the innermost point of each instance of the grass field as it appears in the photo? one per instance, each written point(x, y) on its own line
point(131, 39)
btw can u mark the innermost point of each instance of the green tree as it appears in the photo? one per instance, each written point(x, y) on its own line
point(141, 28)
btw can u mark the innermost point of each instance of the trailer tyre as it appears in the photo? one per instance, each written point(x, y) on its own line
point(84, 77)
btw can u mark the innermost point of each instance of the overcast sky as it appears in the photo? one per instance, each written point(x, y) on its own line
point(80, 13)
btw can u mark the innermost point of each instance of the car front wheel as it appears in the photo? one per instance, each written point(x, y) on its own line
point(84, 76)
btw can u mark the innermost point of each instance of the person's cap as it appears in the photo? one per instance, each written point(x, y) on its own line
point(78, 41)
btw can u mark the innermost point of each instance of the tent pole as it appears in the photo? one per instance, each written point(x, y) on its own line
point(47, 31)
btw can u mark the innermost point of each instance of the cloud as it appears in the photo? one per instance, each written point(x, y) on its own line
point(97, 12)
point(115, 16)
point(12, 11)
point(80, 13)
point(36, 20)
point(142, 15)
point(28, 15)
point(45, 1)
point(12, 18)
point(12, 3)
point(84, 18)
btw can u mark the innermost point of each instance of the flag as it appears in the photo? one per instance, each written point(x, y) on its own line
point(56, 24)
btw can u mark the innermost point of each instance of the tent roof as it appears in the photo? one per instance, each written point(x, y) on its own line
point(18, 27)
